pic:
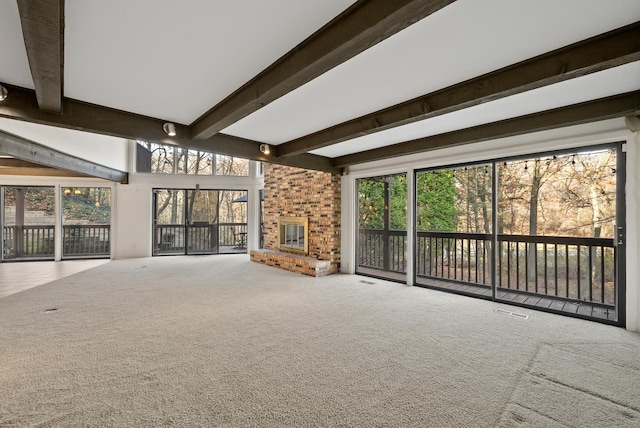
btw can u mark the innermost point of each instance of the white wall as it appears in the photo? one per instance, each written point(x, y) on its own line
point(104, 150)
point(608, 131)
point(132, 204)
point(134, 207)
point(633, 232)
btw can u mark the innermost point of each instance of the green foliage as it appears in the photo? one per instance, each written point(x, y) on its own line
point(398, 214)
point(436, 201)
point(39, 199)
point(81, 207)
point(370, 204)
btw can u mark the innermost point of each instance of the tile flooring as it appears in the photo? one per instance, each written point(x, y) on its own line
point(19, 276)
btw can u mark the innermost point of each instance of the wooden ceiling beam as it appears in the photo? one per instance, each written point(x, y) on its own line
point(18, 163)
point(30, 151)
point(13, 166)
point(21, 104)
point(38, 172)
point(363, 25)
point(43, 33)
point(599, 53)
point(591, 111)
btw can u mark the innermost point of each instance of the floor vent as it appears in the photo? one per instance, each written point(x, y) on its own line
point(367, 282)
point(512, 314)
point(48, 311)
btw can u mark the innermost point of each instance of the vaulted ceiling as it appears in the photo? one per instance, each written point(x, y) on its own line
point(327, 83)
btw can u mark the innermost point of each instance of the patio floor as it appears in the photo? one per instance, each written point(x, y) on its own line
point(20, 276)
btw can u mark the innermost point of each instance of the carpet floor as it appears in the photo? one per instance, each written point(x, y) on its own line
point(219, 341)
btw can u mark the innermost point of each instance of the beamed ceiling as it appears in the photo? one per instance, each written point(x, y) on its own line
point(327, 83)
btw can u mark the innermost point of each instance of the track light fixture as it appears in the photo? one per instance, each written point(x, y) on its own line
point(264, 148)
point(3, 93)
point(170, 129)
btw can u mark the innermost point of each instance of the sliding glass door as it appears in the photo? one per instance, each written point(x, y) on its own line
point(544, 231)
point(199, 221)
point(202, 221)
point(86, 222)
point(169, 222)
point(454, 228)
point(382, 227)
point(28, 223)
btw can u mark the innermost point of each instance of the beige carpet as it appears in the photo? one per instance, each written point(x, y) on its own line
point(220, 341)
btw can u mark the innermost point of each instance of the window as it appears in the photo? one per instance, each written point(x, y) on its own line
point(86, 217)
point(228, 165)
point(154, 158)
point(162, 159)
point(194, 162)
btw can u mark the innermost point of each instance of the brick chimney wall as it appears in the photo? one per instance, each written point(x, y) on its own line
point(296, 192)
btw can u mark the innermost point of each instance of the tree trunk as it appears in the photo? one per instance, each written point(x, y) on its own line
point(484, 194)
point(532, 268)
point(595, 219)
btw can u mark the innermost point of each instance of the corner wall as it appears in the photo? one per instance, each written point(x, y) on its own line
point(633, 232)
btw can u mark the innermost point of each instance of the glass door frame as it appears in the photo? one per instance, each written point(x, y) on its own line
point(390, 258)
point(619, 238)
point(51, 238)
point(229, 233)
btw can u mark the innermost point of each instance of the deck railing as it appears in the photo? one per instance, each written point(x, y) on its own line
point(380, 249)
point(202, 237)
point(457, 256)
point(568, 267)
point(28, 242)
point(86, 240)
point(37, 242)
point(233, 234)
point(169, 238)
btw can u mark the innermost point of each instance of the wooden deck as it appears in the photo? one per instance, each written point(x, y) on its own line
point(379, 273)
point(534, 301)
point(554, 304)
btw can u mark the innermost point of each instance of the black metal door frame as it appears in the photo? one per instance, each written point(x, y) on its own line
point(385, 232)
point(620, 234)
point(619, 237)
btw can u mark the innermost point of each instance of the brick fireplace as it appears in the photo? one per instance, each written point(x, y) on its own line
point(312, 197)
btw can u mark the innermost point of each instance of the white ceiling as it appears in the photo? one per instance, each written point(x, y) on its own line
point(457, 43)
point(14, 66)
point(174, 60)
point(613, 81)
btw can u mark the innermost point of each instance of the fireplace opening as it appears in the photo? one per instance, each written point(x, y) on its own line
point(293, 234)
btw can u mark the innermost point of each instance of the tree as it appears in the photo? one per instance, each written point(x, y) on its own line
point(435, 193)
point(370, 204)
